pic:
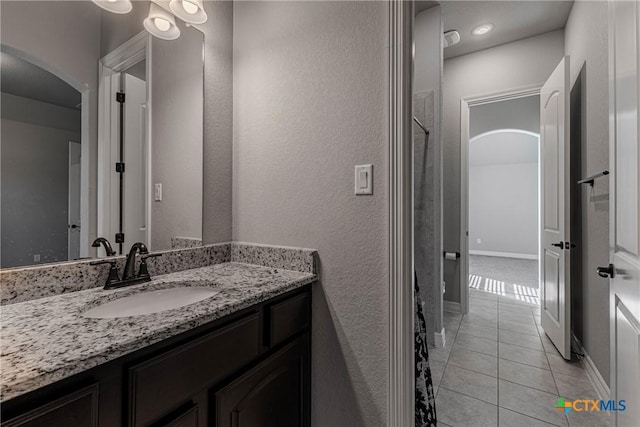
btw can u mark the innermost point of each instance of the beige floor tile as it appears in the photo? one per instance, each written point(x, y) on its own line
point(560, 365)
point(534, 403)
point(590, 419)
point(470, 383)
point(523, 340)
point(481, 331)
point(524, 355)
point(458, 410)
point(439, 354)
point(473, 361)
point(575, 387)
point(509, 418)
point(479, 345)
point(437, 370)
point(526, 375)
point(529, 319)
point(523, 328)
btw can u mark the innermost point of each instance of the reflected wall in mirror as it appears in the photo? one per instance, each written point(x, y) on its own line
point(61, 122)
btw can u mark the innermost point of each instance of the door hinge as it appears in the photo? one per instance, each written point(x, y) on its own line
point(119, 237)
point(120, 167)
point(120, 97)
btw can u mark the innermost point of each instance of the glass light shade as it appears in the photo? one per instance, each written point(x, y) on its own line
point(190, 11)
point(115, 6)
point(160, 23)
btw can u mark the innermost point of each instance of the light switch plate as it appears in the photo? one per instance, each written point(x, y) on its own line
point(157, 192)
point(364, 179)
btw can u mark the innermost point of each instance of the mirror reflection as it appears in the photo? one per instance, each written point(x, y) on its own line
point(101, 132)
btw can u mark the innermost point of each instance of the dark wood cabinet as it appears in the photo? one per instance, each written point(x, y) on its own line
point(251, 368)
point(273, 393)
point(78, 409)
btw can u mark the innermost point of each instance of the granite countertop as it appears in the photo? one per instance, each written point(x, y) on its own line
point(48, 339)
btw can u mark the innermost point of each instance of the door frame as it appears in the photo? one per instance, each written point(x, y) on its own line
point(465, 105)
point(69, 200)
point(110, 66)
point(401, 364)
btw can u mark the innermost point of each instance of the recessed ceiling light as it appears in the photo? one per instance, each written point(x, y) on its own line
point(481, 30)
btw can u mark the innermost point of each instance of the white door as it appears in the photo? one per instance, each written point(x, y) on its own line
point(135, 159)
point(73, 212)
point(624, 214)
point(554, 216)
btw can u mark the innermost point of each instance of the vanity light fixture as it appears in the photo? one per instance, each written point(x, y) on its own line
point(190, 11)
point(481, 30)
point(115, 6)
point(451, 38)
point(160, 23)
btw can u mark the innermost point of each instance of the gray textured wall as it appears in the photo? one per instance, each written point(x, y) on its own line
point(218, 122)
point(427, 86)
point(510, 66)
point(503, 208)
point(177, 137)
point(586, 41)
point(35, 190)
point(310, 82)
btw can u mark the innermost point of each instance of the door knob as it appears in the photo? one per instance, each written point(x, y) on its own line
point(558, 245)
point(608, 271)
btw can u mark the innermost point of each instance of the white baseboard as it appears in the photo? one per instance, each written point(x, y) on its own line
point(440, 338)
point(503, 254)
point(590, 368)
point(452, 306)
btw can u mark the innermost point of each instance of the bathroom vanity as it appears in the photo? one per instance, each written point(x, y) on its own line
point(238, 357)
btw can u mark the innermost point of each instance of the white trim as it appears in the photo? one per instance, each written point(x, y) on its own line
point(451, 306)
point(131, 52)
point(440, 339)
point(401, 394)
point(503, 254)
point(599, 384)
point(465, 104)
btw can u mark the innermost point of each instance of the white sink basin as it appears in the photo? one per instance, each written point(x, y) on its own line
point(151, 302)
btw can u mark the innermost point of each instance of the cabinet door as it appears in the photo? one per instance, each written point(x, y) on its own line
point(188, 418)
point(274, 393)
point(78, 409)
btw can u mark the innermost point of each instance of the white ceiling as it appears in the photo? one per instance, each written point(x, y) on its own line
point(513, 20)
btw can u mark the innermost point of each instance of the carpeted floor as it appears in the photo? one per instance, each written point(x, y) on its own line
point(504, 275)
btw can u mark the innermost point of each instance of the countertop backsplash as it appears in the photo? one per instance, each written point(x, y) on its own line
point(28, 283)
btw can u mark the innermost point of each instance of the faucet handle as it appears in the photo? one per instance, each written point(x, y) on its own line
point(114, 277)
point(143, 271)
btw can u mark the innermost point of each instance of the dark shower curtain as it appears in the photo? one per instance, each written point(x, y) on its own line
point(425, 398)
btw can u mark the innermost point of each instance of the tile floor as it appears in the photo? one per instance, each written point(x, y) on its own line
point(498, 368)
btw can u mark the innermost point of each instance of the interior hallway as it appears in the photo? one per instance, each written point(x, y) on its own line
point(498, 368)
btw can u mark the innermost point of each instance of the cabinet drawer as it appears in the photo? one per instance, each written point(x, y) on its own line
point(76, 409)
point(288, 317)
point(159, 385)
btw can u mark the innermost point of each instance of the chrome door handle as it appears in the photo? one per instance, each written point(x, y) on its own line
point(607, 272)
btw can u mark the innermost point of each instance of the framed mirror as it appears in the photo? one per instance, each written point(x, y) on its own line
point(77, 163)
